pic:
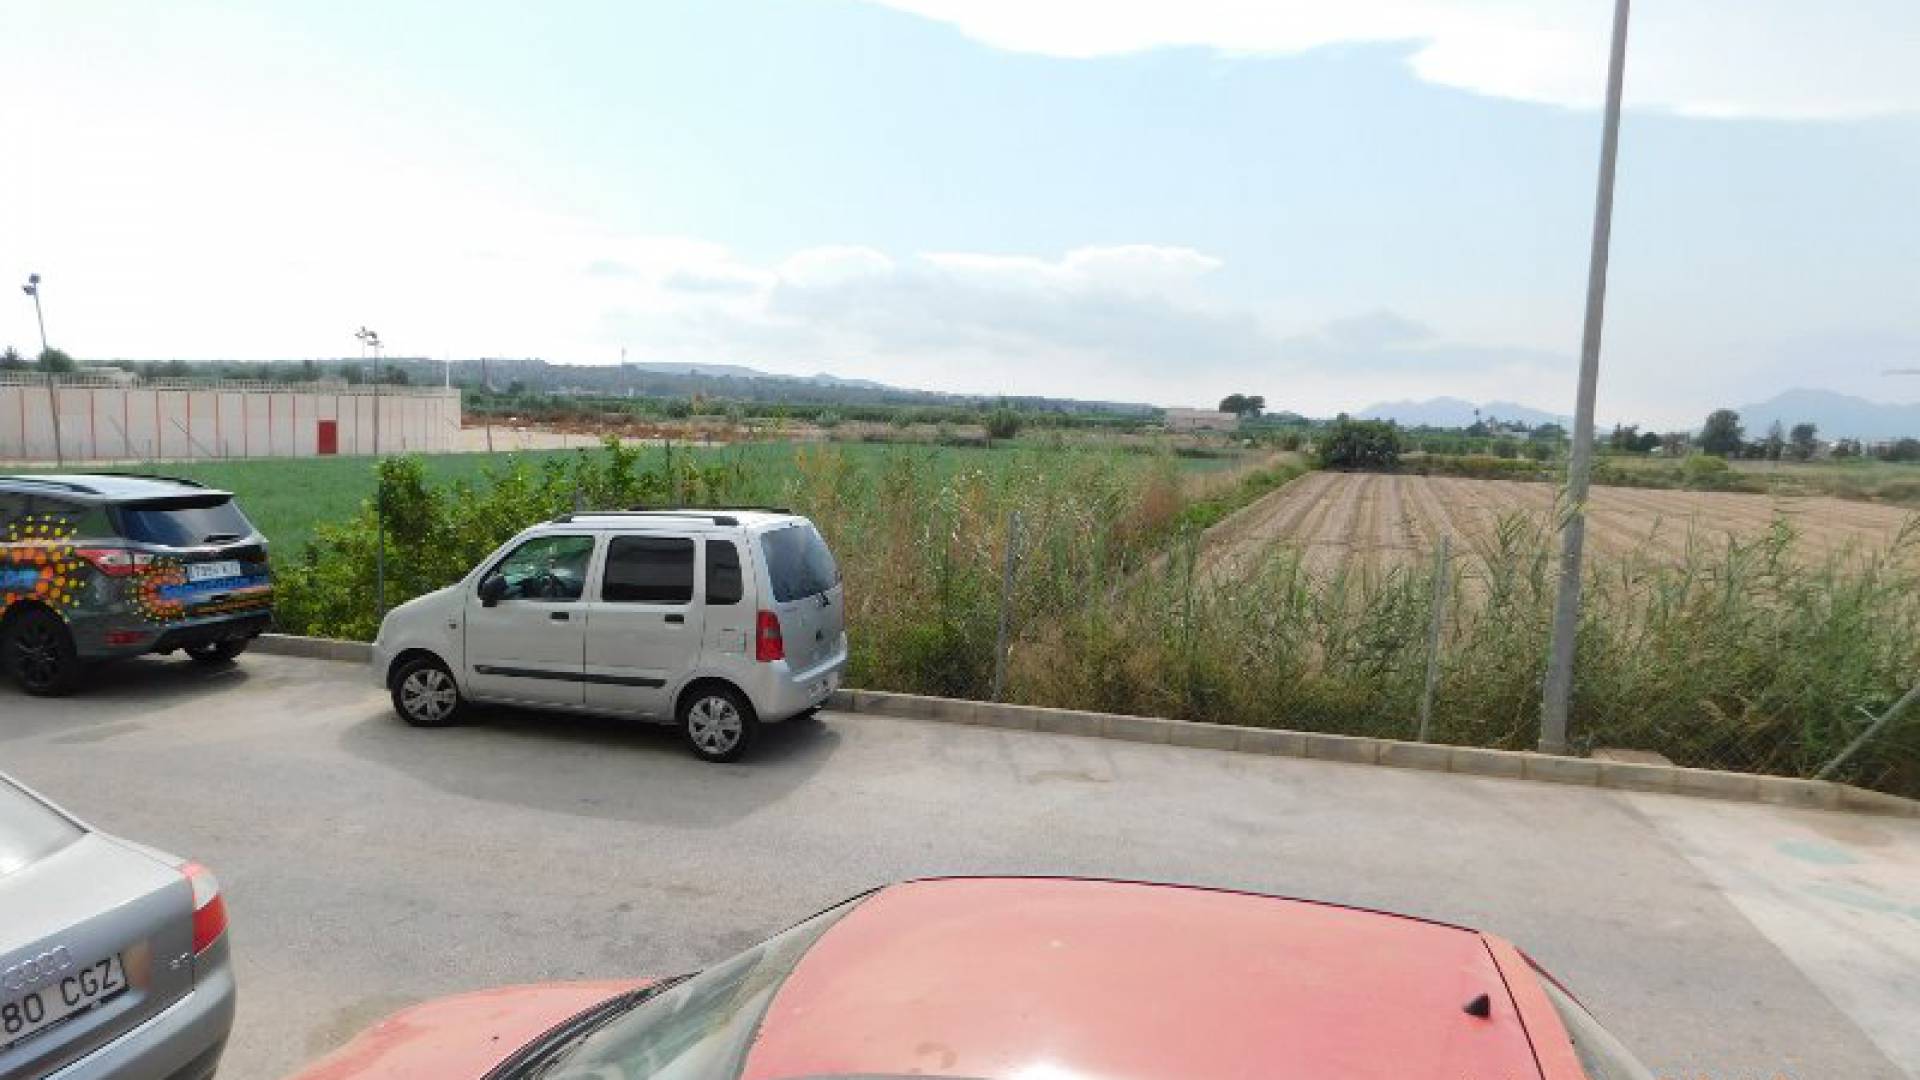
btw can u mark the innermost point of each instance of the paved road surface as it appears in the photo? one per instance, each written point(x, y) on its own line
point(369, 865)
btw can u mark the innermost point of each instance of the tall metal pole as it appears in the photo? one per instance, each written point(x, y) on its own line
point(1557, 694)
point(1436, 617)
point(32, 288)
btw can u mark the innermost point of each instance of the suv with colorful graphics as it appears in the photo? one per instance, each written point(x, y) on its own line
point(106, 565)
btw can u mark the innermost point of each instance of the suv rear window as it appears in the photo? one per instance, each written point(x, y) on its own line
point(798, 562)
point(184, 522)
point(29, 830)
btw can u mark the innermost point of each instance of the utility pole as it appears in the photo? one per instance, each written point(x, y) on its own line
point(32, 288)
point(1557, 694)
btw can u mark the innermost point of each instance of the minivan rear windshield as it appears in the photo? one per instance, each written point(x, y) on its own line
point(184, 522)
point(798, 562)
point(29, 830)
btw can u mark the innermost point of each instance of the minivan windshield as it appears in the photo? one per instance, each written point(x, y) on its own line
point(185, 522)
point(29, 829)
point(798, 562)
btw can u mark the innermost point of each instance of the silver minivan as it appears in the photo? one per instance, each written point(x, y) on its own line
point(716, 621)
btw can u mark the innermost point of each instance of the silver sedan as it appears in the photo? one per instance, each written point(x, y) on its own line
point(113, 956)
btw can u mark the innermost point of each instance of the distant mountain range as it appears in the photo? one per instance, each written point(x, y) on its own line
point(741, 371)
point(1837, 415)
point(1452, 412)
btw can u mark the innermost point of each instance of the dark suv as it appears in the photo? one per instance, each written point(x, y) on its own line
point(105, 565)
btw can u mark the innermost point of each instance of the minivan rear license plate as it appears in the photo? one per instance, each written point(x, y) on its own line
point(26, 1015)
point(213, 571)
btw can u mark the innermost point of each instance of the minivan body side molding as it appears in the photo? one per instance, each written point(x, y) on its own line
point(569, 676)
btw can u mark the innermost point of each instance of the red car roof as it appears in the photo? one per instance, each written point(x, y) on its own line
point(1030, 979)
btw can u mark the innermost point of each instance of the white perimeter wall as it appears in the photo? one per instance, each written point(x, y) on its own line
point(138, 423)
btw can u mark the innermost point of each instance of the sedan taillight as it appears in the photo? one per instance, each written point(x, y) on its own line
point(209, 908)
point(115, 562)
point(768, 645)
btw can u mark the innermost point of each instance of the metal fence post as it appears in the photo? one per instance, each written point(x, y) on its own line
point(1866, 736)
point(1006, 606)
point(1433, 636)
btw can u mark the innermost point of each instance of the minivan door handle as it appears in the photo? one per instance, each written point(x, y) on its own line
point(676, 618)
point(558, 616)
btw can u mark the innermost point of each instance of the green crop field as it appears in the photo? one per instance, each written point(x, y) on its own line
point(288, 497)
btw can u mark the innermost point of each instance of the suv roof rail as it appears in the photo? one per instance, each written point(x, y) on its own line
point(151, 476)
point(64, 485)
point(716, 518)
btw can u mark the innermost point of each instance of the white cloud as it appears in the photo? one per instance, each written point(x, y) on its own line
point(833, 265)
point(1770, 58)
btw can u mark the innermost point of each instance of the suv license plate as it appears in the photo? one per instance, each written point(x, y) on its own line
point(33, 1012)
point(213, 571)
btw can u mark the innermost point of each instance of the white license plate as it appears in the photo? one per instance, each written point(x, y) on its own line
point(26, 1015)
point(213, 571)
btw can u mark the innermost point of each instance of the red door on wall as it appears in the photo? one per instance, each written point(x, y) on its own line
point(328, 438)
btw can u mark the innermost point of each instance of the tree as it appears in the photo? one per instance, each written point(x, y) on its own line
point(1846, 448)
point(1244, 406)
point(53, 361)
point(1359, 444)
point(1624, 438)
point(1776, 442)
point(1723, 436)
point(309, 371)
point(1003, 423)
point(351, 374)
point(1901, 450)
point(1803, 441)
point(11, 360)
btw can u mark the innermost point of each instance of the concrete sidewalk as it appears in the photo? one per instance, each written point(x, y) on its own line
point(369, 864)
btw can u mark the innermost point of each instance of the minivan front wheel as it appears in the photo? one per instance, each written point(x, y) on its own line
point(718, 722)
point(425, 695)
point(38, 652)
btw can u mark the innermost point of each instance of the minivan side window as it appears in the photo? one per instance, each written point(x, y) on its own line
point(648, 570)
point(546, 568)
point(723, 572)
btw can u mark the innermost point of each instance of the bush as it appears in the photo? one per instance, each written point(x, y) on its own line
point(1359, 444)
point(1003, 423)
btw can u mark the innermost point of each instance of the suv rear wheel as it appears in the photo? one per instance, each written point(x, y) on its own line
point(38, 652)
point(718, 722)
point(212, 653)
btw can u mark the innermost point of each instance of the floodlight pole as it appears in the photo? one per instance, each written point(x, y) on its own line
point(32, 288)
point(1557, 693)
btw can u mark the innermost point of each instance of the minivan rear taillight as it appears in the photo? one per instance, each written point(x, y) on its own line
point(114, 561)
point(768, 645)
point(209, 909)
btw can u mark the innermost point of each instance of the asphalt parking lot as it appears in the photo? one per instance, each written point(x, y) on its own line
point(369, 865)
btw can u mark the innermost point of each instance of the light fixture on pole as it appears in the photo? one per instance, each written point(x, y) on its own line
point(371, 340)
point(1556, 696)
point(32, 288)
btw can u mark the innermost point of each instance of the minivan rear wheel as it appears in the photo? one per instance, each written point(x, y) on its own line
point(718, 722)
point(425, 695)
point(37, 649)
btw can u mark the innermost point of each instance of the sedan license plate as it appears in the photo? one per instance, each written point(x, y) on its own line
point(213, 571)
point(33, 1012)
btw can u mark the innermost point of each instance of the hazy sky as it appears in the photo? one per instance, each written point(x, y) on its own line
point(1328, 204)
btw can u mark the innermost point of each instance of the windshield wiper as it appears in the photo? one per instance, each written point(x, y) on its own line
point(537, 1058)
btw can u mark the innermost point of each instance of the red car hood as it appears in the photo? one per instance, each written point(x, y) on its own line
point(462, 1037)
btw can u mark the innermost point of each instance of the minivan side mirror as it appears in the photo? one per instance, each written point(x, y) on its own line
point(493, 589)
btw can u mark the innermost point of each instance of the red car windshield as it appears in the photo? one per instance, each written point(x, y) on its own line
point(699, 1028)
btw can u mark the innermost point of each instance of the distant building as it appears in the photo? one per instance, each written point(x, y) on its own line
point(1187, 420)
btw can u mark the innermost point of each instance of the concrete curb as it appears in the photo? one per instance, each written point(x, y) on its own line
point(313, 648)
point(1353, 749)
point(1434, 757)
